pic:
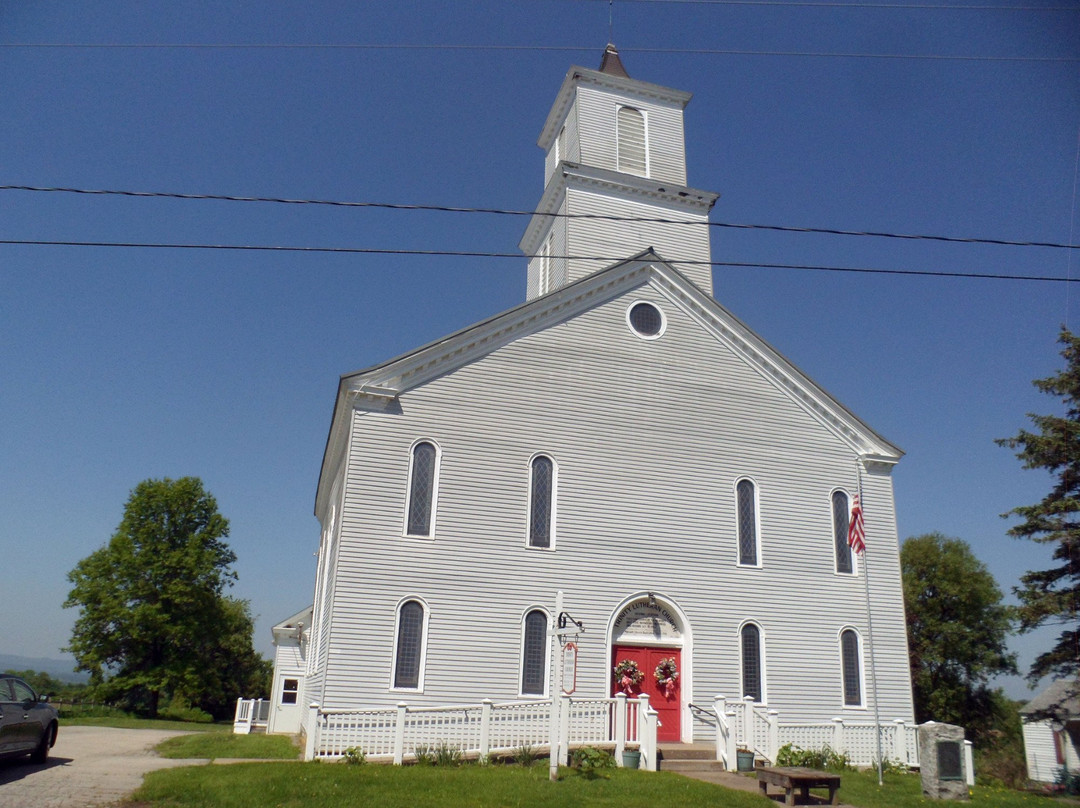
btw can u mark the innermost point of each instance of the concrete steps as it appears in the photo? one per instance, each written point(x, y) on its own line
point(689, 757)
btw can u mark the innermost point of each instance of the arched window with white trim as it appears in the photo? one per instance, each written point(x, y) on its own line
point(753, 678)
point(423, 482)
point(632, 150)
point(409, 646)
point(541, 502)
point(534, 653)
point(851, 667)
point(841, 517)
point(746, 512)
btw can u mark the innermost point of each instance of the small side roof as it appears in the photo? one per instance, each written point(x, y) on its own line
point(1061, 699)
point(290, 625)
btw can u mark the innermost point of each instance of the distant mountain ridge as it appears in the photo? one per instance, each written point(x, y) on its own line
point(62, 669)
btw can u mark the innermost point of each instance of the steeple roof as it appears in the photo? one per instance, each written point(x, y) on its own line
point(611, 63)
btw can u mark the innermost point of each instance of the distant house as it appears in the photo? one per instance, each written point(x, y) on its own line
point(1051, 723)
point(621, 437)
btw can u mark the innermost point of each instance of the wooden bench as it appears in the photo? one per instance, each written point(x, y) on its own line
point(791, 777)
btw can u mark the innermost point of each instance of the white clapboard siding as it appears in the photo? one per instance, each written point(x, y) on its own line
point(597, 112)
point(564, 146)
point(649, 438)
point(603, 238)
point(558, 262)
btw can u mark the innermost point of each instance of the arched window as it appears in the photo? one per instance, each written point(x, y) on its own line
point(841, 514)
point(541, 500)
point(746, 511)
point(631, 141)
point(851, 664)
point(534, 644)
point(422, 479)
point(750, 637)
point(546, 262)
point(409, 648)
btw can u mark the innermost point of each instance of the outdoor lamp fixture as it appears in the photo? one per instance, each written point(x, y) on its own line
point(652, 601)
point(564, 618)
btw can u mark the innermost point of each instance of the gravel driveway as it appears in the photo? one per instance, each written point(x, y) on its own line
point(89, 766)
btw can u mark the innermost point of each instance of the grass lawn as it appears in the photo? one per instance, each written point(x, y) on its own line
point(333, 785)
point(215, 745)
point(330, 785)
point(905, 791)
point(130, 722)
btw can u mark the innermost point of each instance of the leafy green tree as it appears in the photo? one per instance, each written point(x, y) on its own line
point(957, 627)
point(45, 684)
point(1052, 596)
point(153, 620)
point(232, 668)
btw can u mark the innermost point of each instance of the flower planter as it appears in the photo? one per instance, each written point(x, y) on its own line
point(744, 760)
point(631, 758)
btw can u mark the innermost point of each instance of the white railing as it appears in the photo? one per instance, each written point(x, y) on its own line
point(395, 734)
point(250, 714)
point(743, 725)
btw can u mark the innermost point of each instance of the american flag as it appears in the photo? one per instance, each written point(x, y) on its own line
point(856, 536)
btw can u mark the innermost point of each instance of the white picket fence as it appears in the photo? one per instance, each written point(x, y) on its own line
point(393, 735)
point(487, 728)
point(250, 714)
point(740, 724)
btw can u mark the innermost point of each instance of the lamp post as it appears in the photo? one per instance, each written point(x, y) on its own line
point(561, 628)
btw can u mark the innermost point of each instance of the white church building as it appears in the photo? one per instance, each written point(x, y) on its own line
point(620, 437)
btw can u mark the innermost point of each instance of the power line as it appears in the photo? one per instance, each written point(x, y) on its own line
point(812, 4)
point(479, 254)
point(544, 48)
point(512, 212)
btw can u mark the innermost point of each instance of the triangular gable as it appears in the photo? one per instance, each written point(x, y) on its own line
point(290, 626)
point(378, 387)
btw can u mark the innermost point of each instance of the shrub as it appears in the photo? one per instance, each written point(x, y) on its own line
point(179, 710)
point(354, 756)
point(824, 758)
point(425, 755)
point(447, 755)
point(1001, 761)
point(590, 761)
point(525, 755)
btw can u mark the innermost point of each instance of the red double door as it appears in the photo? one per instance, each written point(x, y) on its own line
point(665, 700)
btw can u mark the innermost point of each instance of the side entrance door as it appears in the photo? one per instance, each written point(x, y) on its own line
point(666, 700)
point(286, 717)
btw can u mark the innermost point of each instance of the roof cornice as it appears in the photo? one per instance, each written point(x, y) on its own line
point(631, 87)
point(571, 175)
point(378, 387)
point(826, 408)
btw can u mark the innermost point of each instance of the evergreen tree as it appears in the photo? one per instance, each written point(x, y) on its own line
point(1052, 596)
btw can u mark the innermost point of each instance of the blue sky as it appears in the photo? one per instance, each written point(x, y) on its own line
point(121, 364)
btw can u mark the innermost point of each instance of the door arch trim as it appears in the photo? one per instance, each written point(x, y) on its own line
point(684, 642)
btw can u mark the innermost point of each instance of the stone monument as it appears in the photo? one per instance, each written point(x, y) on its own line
point(941, 759)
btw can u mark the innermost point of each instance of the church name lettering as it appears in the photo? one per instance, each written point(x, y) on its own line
point(639, 618)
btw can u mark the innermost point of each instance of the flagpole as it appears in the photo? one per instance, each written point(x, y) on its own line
point(870, 632)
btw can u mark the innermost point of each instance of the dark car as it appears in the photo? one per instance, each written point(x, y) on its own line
point(28, 724)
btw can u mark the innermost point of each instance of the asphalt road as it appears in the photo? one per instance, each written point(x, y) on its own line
point(89, 766)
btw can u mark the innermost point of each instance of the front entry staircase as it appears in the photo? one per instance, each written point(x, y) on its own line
point(689, 758)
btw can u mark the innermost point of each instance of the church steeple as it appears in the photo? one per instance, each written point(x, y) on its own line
point(611, 64)
point(615, 148)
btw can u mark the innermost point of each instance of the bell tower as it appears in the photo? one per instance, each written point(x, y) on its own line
point(615, 147)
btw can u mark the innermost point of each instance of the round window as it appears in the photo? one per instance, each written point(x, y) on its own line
point(646, 320)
